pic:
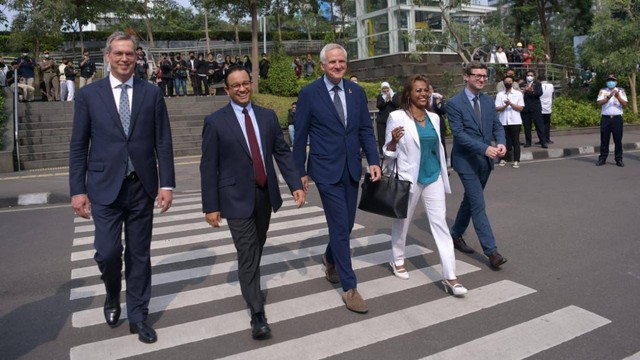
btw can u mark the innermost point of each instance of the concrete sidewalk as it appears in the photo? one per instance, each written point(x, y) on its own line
point(50, 186)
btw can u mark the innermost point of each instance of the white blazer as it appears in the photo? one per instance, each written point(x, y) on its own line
point(408, 148)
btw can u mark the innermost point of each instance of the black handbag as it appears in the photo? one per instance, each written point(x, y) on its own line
point(388, 196)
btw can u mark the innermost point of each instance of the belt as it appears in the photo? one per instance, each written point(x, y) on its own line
point(611, 116)
point(132, 176)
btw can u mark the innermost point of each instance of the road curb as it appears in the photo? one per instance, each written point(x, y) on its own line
point(539, 154)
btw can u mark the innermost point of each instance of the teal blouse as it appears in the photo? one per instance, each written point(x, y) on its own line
point(429, 153)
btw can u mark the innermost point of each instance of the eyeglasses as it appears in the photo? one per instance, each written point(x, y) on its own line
point(236, 87)
point(478, 76)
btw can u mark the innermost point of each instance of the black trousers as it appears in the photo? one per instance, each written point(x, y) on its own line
point(546, 120)
point(533, 117)
point(167, 86)
point(134, 208)
point(382, 129)
point(249, 236)
point(512, 133)
point(610, 125)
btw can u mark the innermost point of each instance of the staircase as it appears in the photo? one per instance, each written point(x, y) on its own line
point(45, 129)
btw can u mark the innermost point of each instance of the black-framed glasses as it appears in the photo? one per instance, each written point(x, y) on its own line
point(479, 76)
point(236, 87)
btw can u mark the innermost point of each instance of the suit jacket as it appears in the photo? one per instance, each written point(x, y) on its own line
point(532, 99)
point(408, 150)
point(226, 169)
point(470, 140)
point(99, 147)
point(331, 145)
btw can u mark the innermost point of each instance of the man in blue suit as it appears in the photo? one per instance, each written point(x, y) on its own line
point(121, 135)
point(333, 114)
point(474, 122)
point(239, 182)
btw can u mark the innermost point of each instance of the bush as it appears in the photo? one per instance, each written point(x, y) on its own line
point(279, 104)
point(282, 79)
point(568, 113)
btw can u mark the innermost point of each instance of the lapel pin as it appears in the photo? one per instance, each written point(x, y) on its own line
point(349, 91)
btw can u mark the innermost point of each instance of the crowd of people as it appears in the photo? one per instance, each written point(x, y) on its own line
point(173, 72)
point(58, 80)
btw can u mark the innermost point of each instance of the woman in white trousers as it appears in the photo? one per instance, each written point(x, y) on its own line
point(413, 141)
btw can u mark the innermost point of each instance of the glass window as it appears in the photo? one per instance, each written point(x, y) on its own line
point(377, 24)
point(431, 20)
point(373, 5)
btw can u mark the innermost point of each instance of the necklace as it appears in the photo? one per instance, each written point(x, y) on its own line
point(420, 120)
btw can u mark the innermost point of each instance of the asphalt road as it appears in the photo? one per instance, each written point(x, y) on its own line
point(569, 290)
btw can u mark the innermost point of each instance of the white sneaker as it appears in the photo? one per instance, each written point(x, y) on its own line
point(502, 163)
point(400, 273)
point(516, 164)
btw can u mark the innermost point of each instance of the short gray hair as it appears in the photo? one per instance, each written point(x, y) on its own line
point(329, 47)
point(120, 35)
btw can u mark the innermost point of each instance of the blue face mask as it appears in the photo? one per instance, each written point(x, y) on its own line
point(611, 84)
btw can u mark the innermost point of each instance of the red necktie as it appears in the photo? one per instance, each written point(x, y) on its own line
point(258, 165)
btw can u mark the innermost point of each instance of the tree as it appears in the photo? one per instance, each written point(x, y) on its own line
point(36, 21)
point(308, 10)
point(81, 12)
point(613, 44)
point(207, 7)
point(463, 38)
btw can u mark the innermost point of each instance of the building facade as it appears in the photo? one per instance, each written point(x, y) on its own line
point(388, 27)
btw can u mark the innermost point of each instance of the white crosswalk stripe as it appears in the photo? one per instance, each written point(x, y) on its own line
point(186, 250)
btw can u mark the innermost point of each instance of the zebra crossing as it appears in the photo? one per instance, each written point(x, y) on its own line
point(194, 271)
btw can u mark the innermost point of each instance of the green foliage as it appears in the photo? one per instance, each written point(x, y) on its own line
point(279, 104)
point(282, 79)
point(568, 113)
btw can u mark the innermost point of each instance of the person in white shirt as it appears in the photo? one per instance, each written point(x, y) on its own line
point(612, 99)
point(501, 56)
point(546, 100)
point(509, 104)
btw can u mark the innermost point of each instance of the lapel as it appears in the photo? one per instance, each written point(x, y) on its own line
point(137, 100)
point(323, 94)
point(470, 110)
point(232, 122)
point(105, 93)
point(410, 127)
point(262, 128)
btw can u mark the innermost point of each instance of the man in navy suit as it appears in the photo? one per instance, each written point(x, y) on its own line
point(333, 114)
point(239, 182)
point(121, 135)
point(474, 122)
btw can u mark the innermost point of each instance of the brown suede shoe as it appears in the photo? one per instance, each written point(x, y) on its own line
point(331, 274)
point(354, 301)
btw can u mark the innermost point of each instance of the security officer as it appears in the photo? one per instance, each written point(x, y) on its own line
point(612, 99)
point(50, 76)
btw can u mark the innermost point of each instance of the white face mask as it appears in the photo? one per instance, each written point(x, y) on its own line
point(529, 78)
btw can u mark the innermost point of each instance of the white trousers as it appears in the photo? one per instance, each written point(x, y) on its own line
point(433, 199)
point(71, 86)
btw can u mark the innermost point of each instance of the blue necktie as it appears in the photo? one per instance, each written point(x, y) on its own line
point(125, 119)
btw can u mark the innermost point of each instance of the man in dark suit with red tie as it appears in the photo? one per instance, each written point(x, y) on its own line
point(333, 114)
point(239, 181)
point(121, 138)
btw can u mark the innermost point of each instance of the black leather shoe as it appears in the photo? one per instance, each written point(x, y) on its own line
point(146, 334)
point(527, 145)
point(496, 260)
point(460, 245)
point(544, 146)
point(619, 163)
point(259, 327)
point(112, 309)
point(549, 142)
point(600, 162)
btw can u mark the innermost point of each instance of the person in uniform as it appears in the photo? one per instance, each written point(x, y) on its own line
point(612, 99)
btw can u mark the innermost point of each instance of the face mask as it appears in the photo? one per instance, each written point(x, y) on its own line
point(611, 84)
point(508, 86)
point(529, 79)
point(193, 57)
point(46, 56)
